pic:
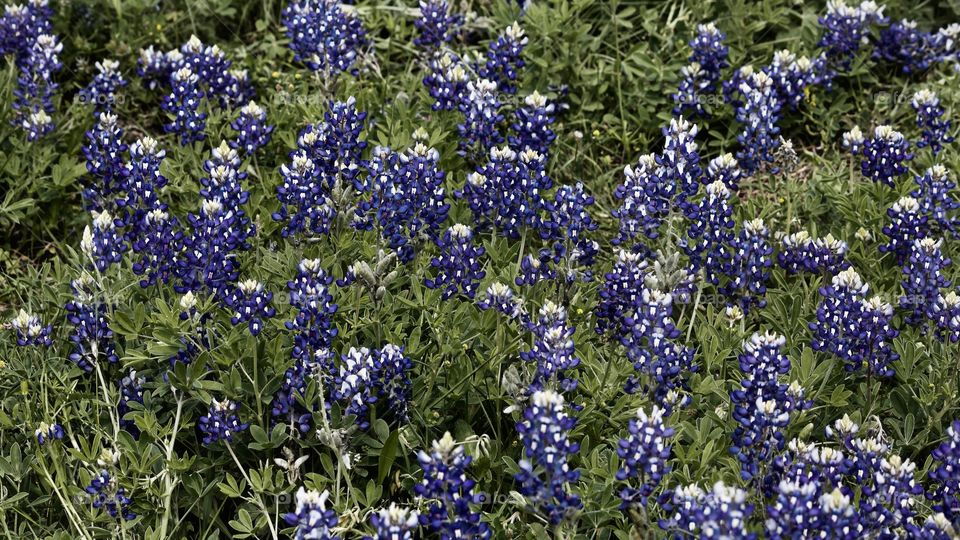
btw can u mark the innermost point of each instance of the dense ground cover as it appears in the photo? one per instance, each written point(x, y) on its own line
point(476, 269)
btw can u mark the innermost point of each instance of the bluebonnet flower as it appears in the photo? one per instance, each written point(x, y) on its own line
point(907, 223)
point(30, 330)
point(252, 129)
point(211, 66)
point(923, 273)
point(535, 268)
point(884, 155)
point(838, 314)
point(620, 292)
point(392, 382)
point(104, 157)
point(310, 295)
point(890, 497)
point(365, 377)
point(158, 245)
point(131, 390)
point(946, 316)
point(286, 406)
point(935, 527)
point(762, 406)
point(509, 193)
point(791, 76)
point(874, 346)
point(250, 304)
point(221, 422)
point(503, 59)
point(209, 253)
point(722, 512)
point(532, 126)
point(567, 226)
point(845, 28)
point(711, 233)
point(239, 89)
point(328, 156)
point(102, 244)
point(479, 132)
point(106, 493)
point(312, 518)
point(936, 130)
point(700, 77)
point(323, 35)
point(450, 492)
point(407, 203)
point(838, 517)
point(724, 168)
point(646, 197)
point(795, 509)
point(553, 351)
point(500, 298)
point(102, 90)
point(661, 364)
point(447, 81)
point(944, 492)
point(903, 44)
point(750, 265)
point(680, 160)
point(644, 455)
point(394, 523)
point(933, 192)
point(853, 141)
point(224, 184)
point(459, 269)
point(92, 337)
point(759, 113)
point(142, 184)
point(48, 432)
point(154, 67)
point(436, 25)
point(21, 24)
point(799, 252)
point(33, 103)
point(183, 105)
point(545, 472)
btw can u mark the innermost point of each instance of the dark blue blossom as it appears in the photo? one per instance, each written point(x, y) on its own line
point(221, 422)
point(944, 492)
point(532, 126)
point(91, 336)
point(700, 77)
point(645, 197)
point(312, 519)
point(459, 269)
point(553, 351)
point(48, 432)
point(509, 192)
point(154, 67)
point(106, 494)
point(946, 316)
point(102, 90)
point(680, 160)
point(845, 29)
point(479, 132)
point(903, 44)
point(324, 36)
point(503, 59)
point(923, 277)
point(644, 455)
point(711, 233)
point(723, 168)
point(907, 224)
point(935, 129)
point(722, 512)
point(250, 304)
point(406, 203)
point(252, 129)
point(447, 81)
point(104, 158)
point(365, 377)
point(500, 298)
point(568, 225)
point(33, 97)
point(799, 252)
point(620, 292)
point(394, 523)
point(210, 250)
point(934, 193)
point(158, 246)
point(131, 390)
point(884, 155)
point(759, 113)
point(449, 490)
point(792, 76)
point(142, 183)
point(30, 330)
point(436, 24)
point(310, 295)
point(545, 473)
point(750, 266)
point(102, 244)
point(183, 105)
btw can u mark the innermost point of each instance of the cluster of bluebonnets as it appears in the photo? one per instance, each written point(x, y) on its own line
point(849, 483)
